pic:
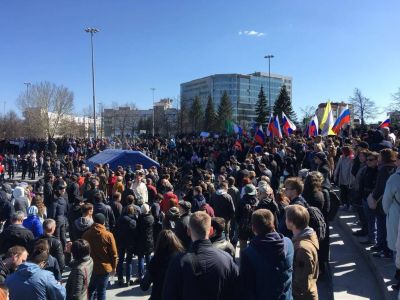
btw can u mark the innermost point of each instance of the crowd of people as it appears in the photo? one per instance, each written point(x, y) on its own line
point(221, 218)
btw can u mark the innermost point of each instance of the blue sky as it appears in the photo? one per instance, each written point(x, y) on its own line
point(328, 47)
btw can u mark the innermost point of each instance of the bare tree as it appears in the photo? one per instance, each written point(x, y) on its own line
point(364, 108)
point(307, 113)
point(51, 102)
point(11, 126)
point(395, 105)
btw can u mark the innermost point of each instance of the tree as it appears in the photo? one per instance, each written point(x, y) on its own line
point(307, 113)
point(363, 107)
point(51, 102)
point(261, 108)
point(209, 115)
point(224, 111)
point(284, 104)
point(196, 114)
point(11, 126)
point(395, 105)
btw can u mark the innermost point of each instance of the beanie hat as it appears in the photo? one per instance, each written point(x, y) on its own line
point(99, 218)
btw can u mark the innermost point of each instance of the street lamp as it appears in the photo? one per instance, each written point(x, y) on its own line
point(153, 89)
point(269, 56)
point(92, 31)
point(28, 84)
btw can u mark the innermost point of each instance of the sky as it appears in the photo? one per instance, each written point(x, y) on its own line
point(328, 47)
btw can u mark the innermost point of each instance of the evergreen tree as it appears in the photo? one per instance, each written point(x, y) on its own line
point(261, 108)
point(224, 111)
point(196, 114)
point(210, 116)
point(284, 104)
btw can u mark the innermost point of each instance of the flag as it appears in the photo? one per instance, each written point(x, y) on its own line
point(313, 126)
point(327, 120)
point(343, 119)
point(238, 145)
point(385, 123)
point(276, 128)
point(269, 126)
point(260, 137)
point(287, 125)
point(237, 129)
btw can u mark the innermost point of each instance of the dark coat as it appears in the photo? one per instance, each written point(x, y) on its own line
point(272, 206)
point(48, 193)
point(15, 235)
point(145, 234)
point(325, 171)
point(116, 208)
point(107, 211)
point(223, 205)
point(79, 278)
point(126, 231)
point(58, 210)
point(56, 249)
point(53, 267)
point(384, 172)
point(4, 272)
point(215, 278)
point(72, 191)
point(6, 210)
point(266, 268)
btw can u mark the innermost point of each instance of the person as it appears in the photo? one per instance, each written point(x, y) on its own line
point(223, 205)
point(116, 205)
point(73, 189)
point(266, 264)
point(343, 177)
point(51, 263)
point(265, 195)
point(6, 210)
point(31, 282)
point(81, 271)
point(139, 187)
point(126, 238)
point(80, 225)
point(58, 211)
point(104, 209)
point(169, 198)
point(168, 245)
point(219, 239)
point(16, 234)
point(14, 257)
point(305, 264)
point(145, 242)
point(32, 222)
point(21, 202)
point(203, 272)
point(183, 223)
point(56, 249)
point(104, 255)
point(325, 167)
point(151, 190)
point(198, 199)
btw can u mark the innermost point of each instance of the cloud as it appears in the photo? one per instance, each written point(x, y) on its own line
point(251, 33)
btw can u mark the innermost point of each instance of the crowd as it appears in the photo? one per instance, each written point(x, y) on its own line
point(221, 218)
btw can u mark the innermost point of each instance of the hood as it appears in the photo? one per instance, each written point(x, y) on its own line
point(19, 192)
point(271, 244)
point(221, 192)
point(199, 199)
point(307, 234)
point(27, 269)
point(82, 224)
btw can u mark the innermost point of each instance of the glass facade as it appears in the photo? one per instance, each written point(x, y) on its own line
point(242, 90)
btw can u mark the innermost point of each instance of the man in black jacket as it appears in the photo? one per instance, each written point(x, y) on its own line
point(15, 256)
point(56, 248)
point(106, 210)
point(204, 272)
point(16, 234)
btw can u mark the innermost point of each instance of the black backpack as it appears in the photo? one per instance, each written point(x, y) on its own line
point(245, 221)
point(317, 221)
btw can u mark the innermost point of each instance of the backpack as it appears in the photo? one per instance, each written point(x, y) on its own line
point(334, 205)
point(245, 221)
point(317, 221)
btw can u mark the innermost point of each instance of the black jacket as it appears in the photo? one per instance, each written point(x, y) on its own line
point(53, 266)
point(270, 204)
point(126, 231)
point(79, 278)
point(145, 234)
point(56, 249)
point(48, 193)
point(72, 191)
point(15, 235)
point(58, 210)
point(6, 210)
point(223, 205)
point(4, 272)
point(106, 210)
point(203, 273)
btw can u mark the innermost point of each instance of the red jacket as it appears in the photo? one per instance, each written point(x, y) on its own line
point(169, 200)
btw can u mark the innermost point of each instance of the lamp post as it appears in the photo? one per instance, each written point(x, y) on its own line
point(28, 84)
point(153, 89)
point(269, 56)
point(92, 31)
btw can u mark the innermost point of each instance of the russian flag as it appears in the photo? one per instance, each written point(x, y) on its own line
point(276, 128)
point(313, 126)
point(260, 137)
point(343, 119)
point(269, 127)
point(385, 123)
point(287, 125)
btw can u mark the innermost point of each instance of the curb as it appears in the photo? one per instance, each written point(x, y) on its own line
point(367, 256)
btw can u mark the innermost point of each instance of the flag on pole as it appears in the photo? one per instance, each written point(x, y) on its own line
point(260, 137)
point(327, 120)
point(276, 128)
point(313, 126)
point(287, 125)
point(385, 123)
point(269, 126)
point(343, 119)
